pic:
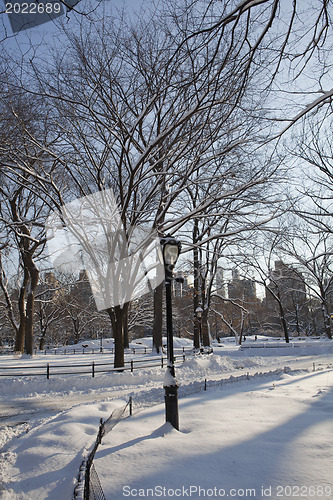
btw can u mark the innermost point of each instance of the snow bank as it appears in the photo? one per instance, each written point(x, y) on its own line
point(45, 462)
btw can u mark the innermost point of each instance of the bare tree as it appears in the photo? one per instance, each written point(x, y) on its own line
point(312, 252)
point(286, 38)
point(23, 210)
point(142, 111)
point(136, 137)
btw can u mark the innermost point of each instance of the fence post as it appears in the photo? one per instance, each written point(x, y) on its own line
point(314, 367)
point(100, 430)
point(162, 361)
point(87, 482)
point(47, 371)
point(132, 365)
point(130, 406)
point(205, 388)
point(93, 369)
point(184, 358)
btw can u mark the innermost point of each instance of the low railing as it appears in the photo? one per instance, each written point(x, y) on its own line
point(92, 350)
point(92, 368)
point(290, 345)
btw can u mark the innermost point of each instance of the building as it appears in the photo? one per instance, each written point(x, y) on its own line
point(241, 289)
point(219, 282)
point(287, 285)
point(182, 284)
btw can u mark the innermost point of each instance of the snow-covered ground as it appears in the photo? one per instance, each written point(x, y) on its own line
point(271, 434)
point(265, 420)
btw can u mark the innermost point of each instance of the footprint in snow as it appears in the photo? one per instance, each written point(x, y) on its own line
point(319, 393)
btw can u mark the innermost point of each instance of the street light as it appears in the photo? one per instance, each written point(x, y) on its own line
point(101, 340)
point(199, 312)
point(171, 250)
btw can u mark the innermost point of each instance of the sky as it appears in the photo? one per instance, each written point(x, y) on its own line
point(48, 33)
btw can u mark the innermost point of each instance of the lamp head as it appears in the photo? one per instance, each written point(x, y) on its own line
point(198, 312)
point(171, 250)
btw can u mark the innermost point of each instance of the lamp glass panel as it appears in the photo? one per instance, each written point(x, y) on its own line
point(170, 254)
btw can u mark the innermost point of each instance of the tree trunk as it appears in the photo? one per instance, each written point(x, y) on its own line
point(313, 324)
point(8, 301)
point(283, 322)
point(196, 271)
point(42, 340)
point(204, 320)
point(28, 341)
point(126, 337)
point(29, 328)
point(19, 341)
point(117, 317)
point(327, 322)
point(125, 320)
point(204, 327)
point(42, 328)
point(297, 320)
point(241, 328)
point(158, 318)
point(20, 334)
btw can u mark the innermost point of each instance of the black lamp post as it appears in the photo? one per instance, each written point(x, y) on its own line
point(171, 250)
point(199, 312)
point(101, 340)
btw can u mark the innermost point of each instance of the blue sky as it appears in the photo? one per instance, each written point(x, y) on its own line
point(47, 34)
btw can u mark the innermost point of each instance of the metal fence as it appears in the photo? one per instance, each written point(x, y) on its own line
point(92, 368)
point(66, 351)
point(92, 488)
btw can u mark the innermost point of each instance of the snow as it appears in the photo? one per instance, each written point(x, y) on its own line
point(169, 380)
point(265, 421)
point(45, 462)
point(254, 434)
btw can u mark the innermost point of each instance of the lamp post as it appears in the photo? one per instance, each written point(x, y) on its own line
point(199, 312)
point(171, 250)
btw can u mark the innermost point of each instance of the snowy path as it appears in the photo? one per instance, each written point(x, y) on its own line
point(259, 438)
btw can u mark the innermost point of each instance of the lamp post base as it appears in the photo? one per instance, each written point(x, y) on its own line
point(171, 405)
